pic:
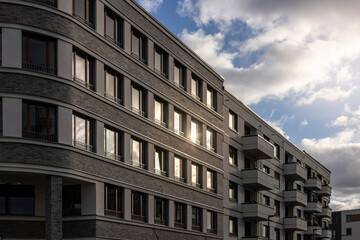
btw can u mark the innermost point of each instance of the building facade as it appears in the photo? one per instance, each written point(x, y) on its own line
point(345, 225)
point(112, 128)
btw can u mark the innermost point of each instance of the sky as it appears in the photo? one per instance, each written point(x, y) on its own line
point(295, 63)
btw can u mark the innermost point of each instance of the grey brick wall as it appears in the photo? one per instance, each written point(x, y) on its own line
point(22, 229)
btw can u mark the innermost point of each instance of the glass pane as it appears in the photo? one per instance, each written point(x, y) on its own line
point(110, 27)
point(231, 226)
point(194, 174)
point(209, 97)
point(80, 130)
point(177, 213)
point(157, 61)
point(177, 166)
point(21, 205)
point(110, 141)
point(80, 8)
point(37, 54)
point(135, 156)
point(231, 121)
point(209, 179)
point(209, 220)
point(157, 160)
point(194, 87)
point(135, 98)
point(111, 198)
point(41, 119)
point(135, 45)
point(159, 209)
point(136, 204)
point(2, 205)
point(177, 122)
point(209, 137)
point(158, 111)
point(80, 68)
point(193, 131)
point(110, 84)
point(177, 75)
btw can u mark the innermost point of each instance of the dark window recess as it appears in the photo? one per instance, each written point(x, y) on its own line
point(113, 27)
point(180, 215)
point(38, 53)
point(160, 211)
point(0, 48)
point(72, 200)
point(51, 3)
point(39, 121)
point(1, 118)
point(160, 61)
point(138, 206)
point(84, 11)
point(196, 219)
point(138, 46)
point(113, 201)
point(17, 199)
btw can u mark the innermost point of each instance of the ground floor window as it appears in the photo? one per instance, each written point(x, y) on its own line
point(17, 199)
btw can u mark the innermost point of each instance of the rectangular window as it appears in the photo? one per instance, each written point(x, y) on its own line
point(1, 118)
point(113, 27)
point(160, 61)
point(138, 45)
point(247, 131)
point(179, 73)
point(211, 222)
point(277, 207)
point(196, 219)
point(138, 206)
point(232, 191)
point(82, 132)
point(266, 169)
point(71, 200)
point(137, 154)
point(348, 218)
point(112, 86)
point(233, 226)
point(113, 201)
point(39, 121)
point(160, 162)
point(138, 100)
point(277, 179)
point(112, 144)
point(195, 88)
point(180, 215)
point(210, 181)
point(17, 199)
point(179, 169)
point(195, 175)
point(232, 121)
point(84, 11)
point(178, 123)
point(211, 99)
point(276, 234)
point(277, 151)
point(232, 156)
point(39, 53)
point(348, 232)
point(267, 200)
point(195, 132)
point(299, 215)
point(83, 69)
point(210, 139)
point(160, 211)
point(159, 112)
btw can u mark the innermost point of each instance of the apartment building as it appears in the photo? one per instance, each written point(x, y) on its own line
point(345, 224)
point(112, 128)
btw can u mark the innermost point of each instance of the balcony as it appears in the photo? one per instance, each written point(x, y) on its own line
point(326, 212)
point(257, 179)
point(314, 207)
point(324, 191)
point(313, 184)
point(256, 211)
point(257, 147)
point(325, 233)
point(295, 198)
point(313, 230)
point(294, 171)
point(295, 224)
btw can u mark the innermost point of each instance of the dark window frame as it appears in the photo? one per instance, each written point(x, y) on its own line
point(163, 211)
point(118, 201)
point(89, 18)
point(89, 69)
point(142, 216)
point(89, 133)
point(118, 27)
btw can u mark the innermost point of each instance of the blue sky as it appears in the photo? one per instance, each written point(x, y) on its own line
point(295, 63)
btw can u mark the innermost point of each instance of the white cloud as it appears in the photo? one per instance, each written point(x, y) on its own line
point(304, 123)
point(151, 5)
point(279, 123)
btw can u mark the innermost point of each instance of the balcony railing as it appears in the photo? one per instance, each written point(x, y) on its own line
point(39, 136)
point(180, 179)
point(83, 146)
point(211, 107)
point(51, 3)
point(210, 148)
point(179, 225)
point(160, 73)
point(196, 228)
point(112, 98)
point(81, 19)
point(179, 85)
point(138, 111)
point(138, 164)
point(112, 213)
point(109, 38)
point(134, 55)
point(113, 156)
point(211, 231)
point(211, 190)
point(178, 132)
point(138, 218)
point(160, 123)
point(160, 172)
point(194, 184)
point(83, 83)
point(160, 221)
point(38, 68)
point(196, 97)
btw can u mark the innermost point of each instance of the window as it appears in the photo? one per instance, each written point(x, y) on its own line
point(211, 222)
point(195, 88)
point(178, 123)
point(84, 10)
point(298, 212)
point(160, 162)
point(160, 211)
point(195, 132)
point(233, 226)
point(266, 138)
point(138, 45)
point(267, 200)
point(112, 86)
point(113, 201)
point(265, 231)
point(247, 229)
point(266, 169)
point(39, 121)
point(195, 175)
point(277, 151)
point(334, 219)
point(232, 191)
point(178, 169)
point(82, 133)
point(160, 61)
point(72, 200)
point(17, 199)
point(1, 118)
point(277, 207)
point(247, 131)
point(180, 215)
point(112, 144)
point(39, 53)
point(211, 99)
point(298, 236)
point(333, 234)
point(113, 27)
point(232, 156)
point(348, 218)
point(179, 73)
point(0, 47)
point(232, 121)
point(276, 234)
point(138, 206)
point(138, 100)
point(348, 231)
point(160, 113)
point(137, 153)
point(277, 179)
point(83, 69)
point(51, 3)
point(210, 139)
point(196, 219)
point(210, 181)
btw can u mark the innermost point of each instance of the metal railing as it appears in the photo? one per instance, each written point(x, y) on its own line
point(112, 213)
point(178, 132)
point(180, 179)
point(138, 164)
point(196, 141)
point(38, 68)
point(113, 156)
point(109, 38)
point(81, 19)
point(39, 136)
point(194, 184)
point(83, 83)
point(138, 111)
point(138, 58)
point(210, 148)
point(160, 172)
point(196, 97)
point(51, 3)
point(211, 107)
point(196, 228)
point(160, 72)
point(83, 146)
point(112, 98)
point(160, 123)
point(211, 190)
point(211, 231)
point(179, 225)
point(160, 221)
point(179, 85)
point(138, 218)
